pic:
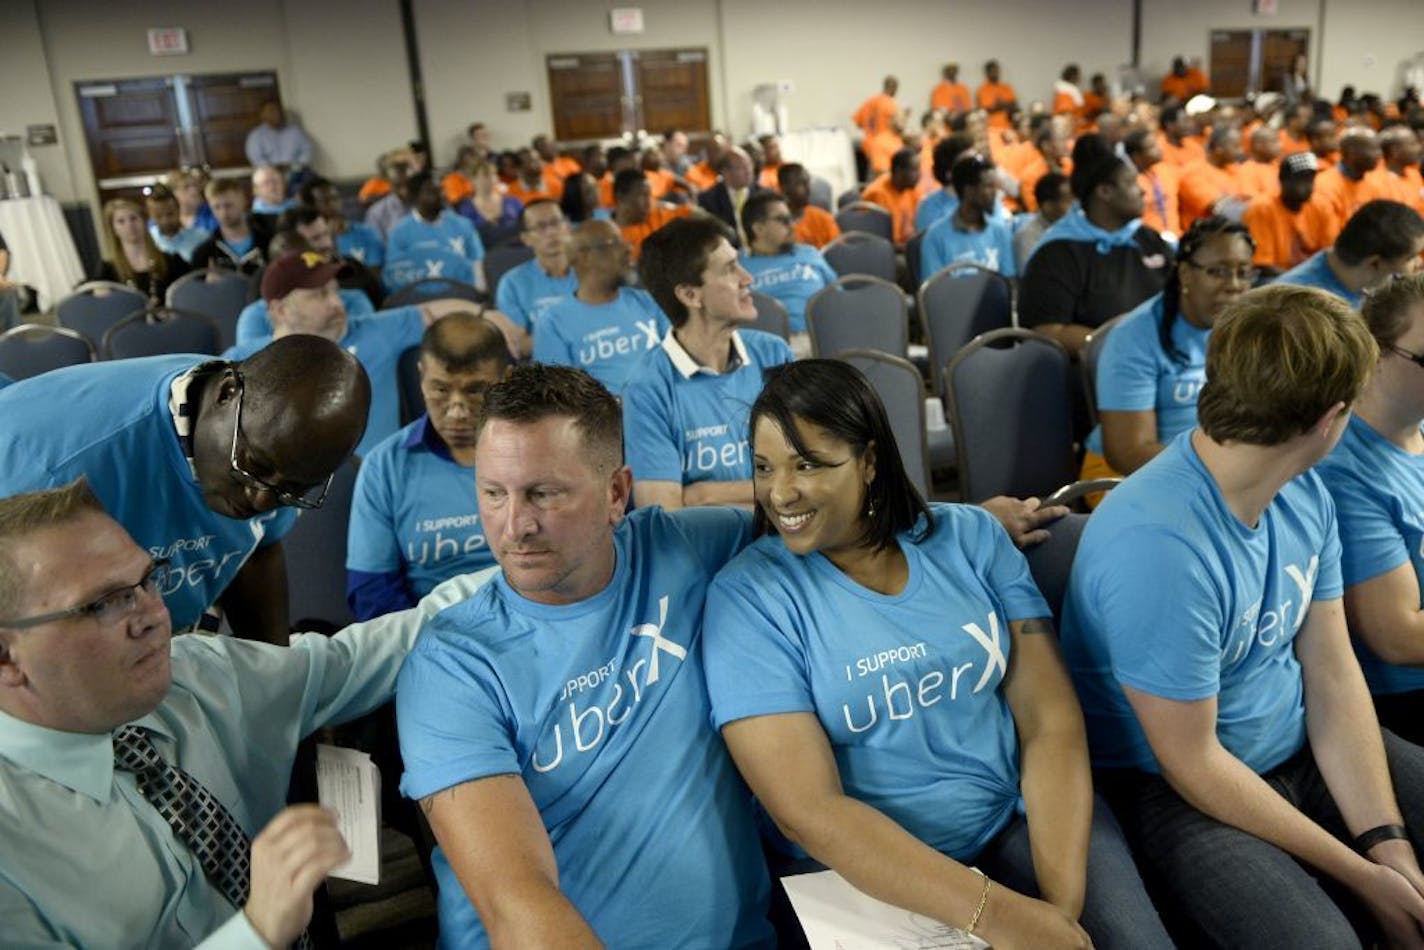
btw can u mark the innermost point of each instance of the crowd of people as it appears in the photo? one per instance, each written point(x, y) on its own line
point(661, 611)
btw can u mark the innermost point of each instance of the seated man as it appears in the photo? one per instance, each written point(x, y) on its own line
point(108, 727)
point(269, 192)
point(1054, 197)
point(971, 235)
point(166, 225)
point(355, 240)
point(194, 457)
point(724, 200)
point(413, 520)
point(1383, 238)
point(604, 327)
point(276, 141)
point(685, 406)
point(1287, 225)
point(779, 266)
point(814, 226)
point(555, 726)
point(1204, 630)
point(526, 292)
point(303, 299)
point(635, 212)
point(240, 241)
point(431, 227)
point(898, 192)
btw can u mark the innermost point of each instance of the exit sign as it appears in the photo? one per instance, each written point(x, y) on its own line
point(626, 19)
point(168, 41)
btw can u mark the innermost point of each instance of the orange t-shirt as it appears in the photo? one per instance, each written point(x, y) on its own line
point(525, 195)
point(951, 97)
point(989, 95)
point(660, 182)
point(1203, 184)
point(1093, 105)
point(1407, 188)
point(1341, 197)
point(373, 188)
point(564, 166)
point(1189, 152)
point(1284, 239)
point(817, 227)
point(1065, 104)
point(553, 183)
point(702, 175)
point(1029, 175)
point(1160, 186)
point(1290, 146)
point(456, 187)
point(879, 149)
point(767, 178)
point(1183, 88)
point(658, 215)
point(877, 114)
point(900, 204)
point(1259, 178)
point(605, 190)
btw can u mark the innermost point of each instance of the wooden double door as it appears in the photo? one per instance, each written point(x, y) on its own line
point(603, 95)
point(1254, 61)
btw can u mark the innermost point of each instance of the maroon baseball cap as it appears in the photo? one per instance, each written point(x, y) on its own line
point(298, 270)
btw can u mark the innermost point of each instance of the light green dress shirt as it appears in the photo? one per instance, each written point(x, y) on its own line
point(84, 859)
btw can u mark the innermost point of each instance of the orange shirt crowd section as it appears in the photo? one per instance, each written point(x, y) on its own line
point(900, 204)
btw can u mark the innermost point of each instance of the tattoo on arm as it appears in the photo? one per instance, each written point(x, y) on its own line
point(1037, 625)
point(427, 804)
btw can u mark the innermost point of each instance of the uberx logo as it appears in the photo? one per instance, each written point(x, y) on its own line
point(441, 538)
point(605, 710)
point(710, 448)
point(901, 695)
point(194, 562)
point(1274, 625)
point(613, 341)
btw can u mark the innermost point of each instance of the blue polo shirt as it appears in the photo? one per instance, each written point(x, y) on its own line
point(600, 708)
point(907, 686)
point(1378, 489)
point(1315, 271)
point(253, 321)
point(684, 423)
point(377, 341)
point(606, 340)
point(363, 243)
point(790, 278)
point(527, 292)
point(1135, 374)
point(1172, 595)
point(112, 422)
point(414, 523)
point(947, 243)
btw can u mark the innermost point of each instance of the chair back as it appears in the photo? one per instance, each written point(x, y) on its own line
point(1009, 407)
point(771, 315)
point(901, 388)
point(868, 217)
point(848, 197)
point(912, 258)
point(855, 253)
point(96, 306)
point(315, 550)
point(956, 305)
point(858, 313)
point(412, 400)
point(501, 259)
point(1051, 561)
point(1088, 363)
point(217, 295)
point(32, 348)
point(424, 264)
point(821, 195)
point(160, 330)
point(432, 288)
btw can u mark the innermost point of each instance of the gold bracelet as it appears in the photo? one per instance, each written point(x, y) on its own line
point(983, 902)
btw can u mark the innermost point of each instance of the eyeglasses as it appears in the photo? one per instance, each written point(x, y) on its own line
point(780, 218)
point(107, 609)
point(1225, 272)
point(1415, 358)
point(303, 499)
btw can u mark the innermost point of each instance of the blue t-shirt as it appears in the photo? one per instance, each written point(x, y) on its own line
point(601, 708)
point(682, 423)
point(5, 381)
point(1378, 489)
point(363, 243)
point(1315, 271)
point(253, 321)
point(183, 243)
point(943, 203)
point(907, 687)
point(605, 339)
point(111, 422)
point(790, 278)
point(414, 512)
point(449, 232)
point(377, 340)
point(946, 243)
point(1172, 595)
point(526, 292)
point(1136, 375)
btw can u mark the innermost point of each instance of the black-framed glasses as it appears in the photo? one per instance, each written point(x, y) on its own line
point(1415, 358)
point(108, 608)
point(309, 499)
point(1226, 272)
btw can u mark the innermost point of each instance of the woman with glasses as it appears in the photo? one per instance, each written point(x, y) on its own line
point(1376, 475)
point(887, 679)
point(134, 259)
point(1153, 363)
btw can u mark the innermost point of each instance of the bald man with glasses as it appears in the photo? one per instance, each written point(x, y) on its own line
point(201, 461)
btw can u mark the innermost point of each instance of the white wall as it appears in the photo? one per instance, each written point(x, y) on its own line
point(28, 98)
point(1367, 45)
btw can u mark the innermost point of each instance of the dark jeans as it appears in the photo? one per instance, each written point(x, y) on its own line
point(1231, 889)
point(1402, 714)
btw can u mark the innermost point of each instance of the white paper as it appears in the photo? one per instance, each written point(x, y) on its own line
point(836, 916)
point(349, 783)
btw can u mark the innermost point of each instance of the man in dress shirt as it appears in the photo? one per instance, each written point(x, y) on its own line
point(86, 647)
point(726, 199)
point(276, 141)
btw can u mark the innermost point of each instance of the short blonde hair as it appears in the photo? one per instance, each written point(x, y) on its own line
point(1278, 359)
point(22, 515)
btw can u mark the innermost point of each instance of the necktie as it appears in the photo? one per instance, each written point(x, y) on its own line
point(196, 816)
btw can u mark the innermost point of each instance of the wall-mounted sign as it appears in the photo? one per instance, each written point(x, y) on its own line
point(40, 135)
point(1265, 7)
point(517, 102)
point(168, 41)
point(626, 19)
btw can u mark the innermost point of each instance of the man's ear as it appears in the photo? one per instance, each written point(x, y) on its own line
point(620, 493)
point(1328, 419)
point(11, 676)
point(688, 295)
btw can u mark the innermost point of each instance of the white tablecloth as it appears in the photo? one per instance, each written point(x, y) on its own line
point(42, 252)
point(826, 153)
